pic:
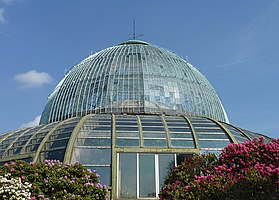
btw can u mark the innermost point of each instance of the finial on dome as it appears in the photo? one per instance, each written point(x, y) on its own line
point(134, 31)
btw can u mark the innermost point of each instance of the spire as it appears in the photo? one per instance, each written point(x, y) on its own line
point(135, 35)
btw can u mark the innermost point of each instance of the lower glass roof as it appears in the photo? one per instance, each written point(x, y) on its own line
point(165, 132)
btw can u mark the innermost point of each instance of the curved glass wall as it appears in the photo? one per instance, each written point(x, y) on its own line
point(133, 77)
point(180, 132)
point(128, 131)
point(92, 146)
point(151, 145)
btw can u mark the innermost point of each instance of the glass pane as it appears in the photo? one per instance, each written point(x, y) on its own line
point(154, 135)
point(127, 142)
point(181, 135)
point(92, 156)
point(147, 175)
point(209, 130)
point(211, 136)
point(179, 129)
point(203, 125)
point(94, 142)
point(166, 164)
point(17, 150)
point(59, 143)
point(151, 128)
point(127, 175)
point(183, 143)
point(104, 172)
point(126, 128)
point(35, 147)
point(53, 155)
point(213, 143)
point(155, 143)
point(127, 134)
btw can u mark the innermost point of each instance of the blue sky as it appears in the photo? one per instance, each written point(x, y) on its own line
point(235, 44)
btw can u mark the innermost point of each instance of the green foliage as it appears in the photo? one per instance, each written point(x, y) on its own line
point(183, 174)
point(54, 180)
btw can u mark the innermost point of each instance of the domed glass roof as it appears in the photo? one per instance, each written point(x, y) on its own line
point(133, 77)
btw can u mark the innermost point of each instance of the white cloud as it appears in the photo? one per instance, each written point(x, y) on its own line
point(33, 79)
point(7, 1)
point(2, 18)
point(34, 122)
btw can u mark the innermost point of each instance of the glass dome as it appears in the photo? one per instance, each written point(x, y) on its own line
point(133, 77)
point(132, 103)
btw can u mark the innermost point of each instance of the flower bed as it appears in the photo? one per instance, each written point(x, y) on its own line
point(54, 180)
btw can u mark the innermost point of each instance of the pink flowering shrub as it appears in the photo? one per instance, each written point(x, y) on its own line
point(183, 174)
point(244, 171)
point(54, 180)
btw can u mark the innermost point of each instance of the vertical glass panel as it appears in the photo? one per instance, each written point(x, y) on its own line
point(166, 164)
point(104, 172)
point(147, 175)
point(127, 175)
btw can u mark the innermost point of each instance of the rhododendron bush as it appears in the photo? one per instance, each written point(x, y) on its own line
point(54, 180)
point(249, 170)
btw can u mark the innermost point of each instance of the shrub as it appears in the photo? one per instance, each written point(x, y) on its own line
point(13, 188)
point(54, 180)
point(183, 174)
point(244, 171)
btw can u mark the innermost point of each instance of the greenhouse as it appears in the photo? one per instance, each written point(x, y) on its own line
point(131, 112)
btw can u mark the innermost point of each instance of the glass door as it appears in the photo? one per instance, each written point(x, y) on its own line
point(141, 175)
